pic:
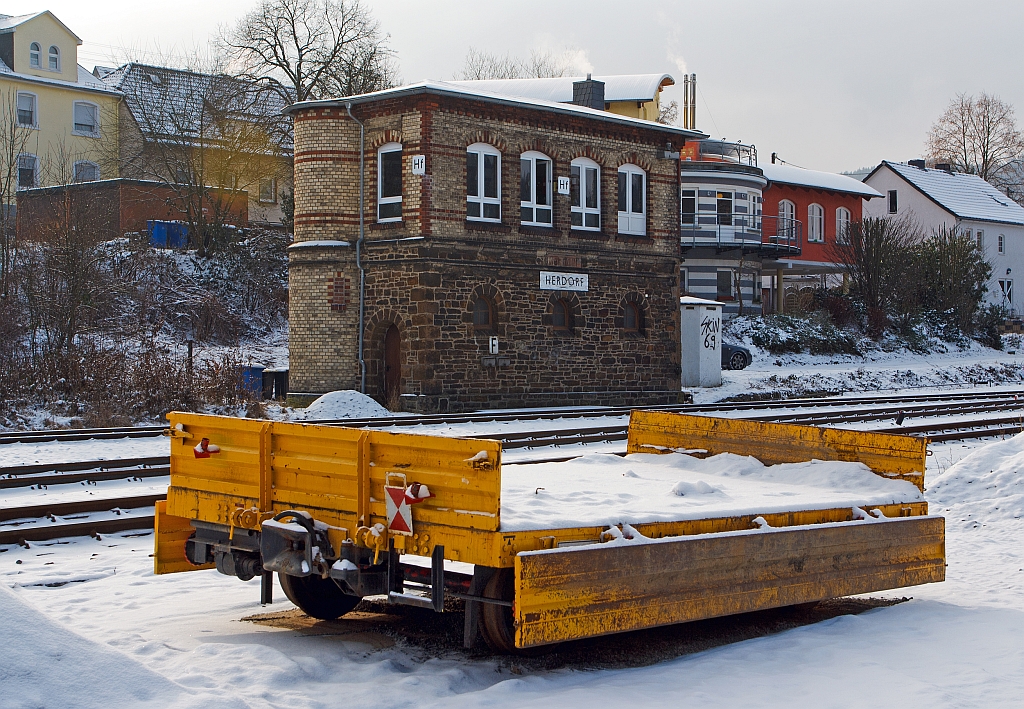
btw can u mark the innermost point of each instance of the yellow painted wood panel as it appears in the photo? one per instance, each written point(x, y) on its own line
point(609, 588)
point(887, 454)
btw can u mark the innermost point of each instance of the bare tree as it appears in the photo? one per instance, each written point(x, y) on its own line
point(979, 136)
point(14, 138)
point(312, 49)
point(669, 113)
point(540, 65)
point(207, 136)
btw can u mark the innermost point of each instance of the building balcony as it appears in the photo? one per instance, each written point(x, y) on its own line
point(768, 235)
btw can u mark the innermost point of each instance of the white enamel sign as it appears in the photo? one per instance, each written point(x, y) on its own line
point(550, 280)
point(563, 185)
point(419, 164)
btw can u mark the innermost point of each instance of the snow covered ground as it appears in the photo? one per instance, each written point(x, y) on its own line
point(91, 626)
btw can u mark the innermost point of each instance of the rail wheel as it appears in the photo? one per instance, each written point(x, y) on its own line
point(496, 622)
point(317, 597)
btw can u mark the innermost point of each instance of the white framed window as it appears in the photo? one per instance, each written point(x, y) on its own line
point(389, 183)
point(86, 171)
point(54, 59)
point(28, 171)
point(632, 200)
point(1006, 286)
point(894, 201)
point(815, 223)
point(1001, 244)
point(585, 194)
point(35, 53)
point(268, 190)
point(980, 238)
point(786, 228)
point(724, 208)
point(87, 119)
point(535, 189)
point(27, 115)
point(688, 207)
point(842, 225)
point(483, 183)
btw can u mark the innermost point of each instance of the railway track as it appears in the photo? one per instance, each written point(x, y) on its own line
point(50, 520)
point(890, 404)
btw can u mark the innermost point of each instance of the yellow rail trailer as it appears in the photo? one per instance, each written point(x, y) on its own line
point(332, 510)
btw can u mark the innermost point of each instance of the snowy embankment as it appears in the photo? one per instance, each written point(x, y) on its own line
point(92, 627)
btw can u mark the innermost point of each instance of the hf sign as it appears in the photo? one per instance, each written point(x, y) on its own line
point(418, 164)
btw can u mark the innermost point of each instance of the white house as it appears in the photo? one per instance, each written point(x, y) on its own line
point(936, 197)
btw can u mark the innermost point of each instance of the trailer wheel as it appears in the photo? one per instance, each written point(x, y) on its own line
point(496, 622)
point(317, 597)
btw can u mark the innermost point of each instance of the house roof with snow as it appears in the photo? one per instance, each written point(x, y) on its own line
point(170, 102)
point(460, 90)
point(8, 23)
point(799, 177)
point(622, 87)
point(962, 195)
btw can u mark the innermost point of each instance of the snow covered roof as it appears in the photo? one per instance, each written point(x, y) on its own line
point(447, 88)
point(789, 175)
point(85, 79)
point(9, 22)
point(623, 87)
point(962, 195)
point(169, 102)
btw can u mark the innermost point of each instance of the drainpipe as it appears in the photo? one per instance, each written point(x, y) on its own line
point(359, 246)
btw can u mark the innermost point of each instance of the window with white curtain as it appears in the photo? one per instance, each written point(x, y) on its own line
point(26, 109)
point(787, 220)
point(87, 121)
point(842, 225)
point(632, 200)
point(585, 194)
point(34, 55)
point(54, 59)
point(86, 171)
point(815, 223)
point(483, 183)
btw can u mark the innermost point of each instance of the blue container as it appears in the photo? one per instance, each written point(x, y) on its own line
point(167, 235)
point(252, 379)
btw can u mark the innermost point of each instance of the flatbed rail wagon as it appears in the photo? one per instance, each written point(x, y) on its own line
point(342, 514)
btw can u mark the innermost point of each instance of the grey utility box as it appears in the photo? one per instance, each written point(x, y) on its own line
point(701, 332)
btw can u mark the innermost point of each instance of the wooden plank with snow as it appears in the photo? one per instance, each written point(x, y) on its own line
point(566, 594)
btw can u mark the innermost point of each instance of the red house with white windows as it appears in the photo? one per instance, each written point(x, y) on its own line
point(825, 203)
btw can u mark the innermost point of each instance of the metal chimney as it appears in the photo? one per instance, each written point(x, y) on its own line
point(692, 119)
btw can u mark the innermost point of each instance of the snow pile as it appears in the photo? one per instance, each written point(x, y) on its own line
point(991, 479)
point(345, 404)
point(605, 489)
point(47, 665)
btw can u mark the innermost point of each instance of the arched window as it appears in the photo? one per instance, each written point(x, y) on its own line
point(632, 200)
point(842, 225)
point(86, 171)
point(561, 315)
point(54, 59)
point(632, 318)
point(483, 313)
point(535, 189)
point(483, 183)
point(585, 194)
point(389, 183)
point(815, 223)
point(787, 220)
point(35, 55)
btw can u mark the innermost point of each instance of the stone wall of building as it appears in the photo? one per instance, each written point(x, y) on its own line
point(424, 273)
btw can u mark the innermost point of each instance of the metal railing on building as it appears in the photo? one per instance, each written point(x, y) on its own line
point(766, 233)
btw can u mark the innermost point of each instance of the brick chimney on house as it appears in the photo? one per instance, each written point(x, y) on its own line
point(589, 93)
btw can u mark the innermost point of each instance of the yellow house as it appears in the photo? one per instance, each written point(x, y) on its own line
point(61, 119)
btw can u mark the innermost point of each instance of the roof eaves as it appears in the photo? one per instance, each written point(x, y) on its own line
point(567, 109)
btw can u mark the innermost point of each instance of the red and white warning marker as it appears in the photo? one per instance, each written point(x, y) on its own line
point(398, 500)
point(204, 449)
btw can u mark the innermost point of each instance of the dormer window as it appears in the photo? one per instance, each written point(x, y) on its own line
point(54, 59)
point(34, 55)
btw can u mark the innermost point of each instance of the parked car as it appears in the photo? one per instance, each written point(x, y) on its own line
point(735, 357)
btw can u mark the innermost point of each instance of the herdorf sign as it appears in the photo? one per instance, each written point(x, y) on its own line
point(564, 281)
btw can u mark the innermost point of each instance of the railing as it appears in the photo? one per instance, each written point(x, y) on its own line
point(741, 230)
point(724, 151)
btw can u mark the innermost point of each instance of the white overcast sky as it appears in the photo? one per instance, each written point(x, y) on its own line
point(828, 85)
